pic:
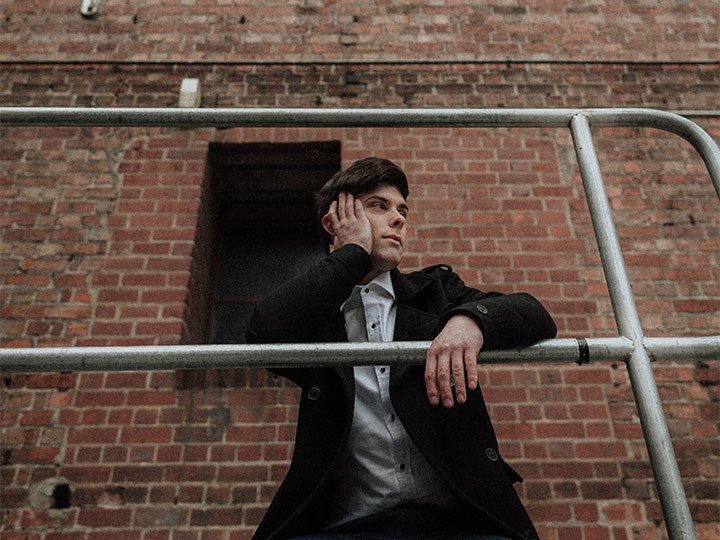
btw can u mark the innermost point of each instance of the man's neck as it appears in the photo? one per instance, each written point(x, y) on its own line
point(373, 274)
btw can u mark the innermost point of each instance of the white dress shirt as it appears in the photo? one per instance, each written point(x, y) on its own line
point(381, 467)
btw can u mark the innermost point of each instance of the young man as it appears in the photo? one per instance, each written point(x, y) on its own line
point(407, 452)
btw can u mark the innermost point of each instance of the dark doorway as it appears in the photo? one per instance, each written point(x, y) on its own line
point(265, 223)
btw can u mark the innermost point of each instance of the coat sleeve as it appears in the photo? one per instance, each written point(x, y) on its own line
point(506, 320)
point(292, 313)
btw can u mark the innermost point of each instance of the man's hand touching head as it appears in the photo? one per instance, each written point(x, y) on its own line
point(346, 223)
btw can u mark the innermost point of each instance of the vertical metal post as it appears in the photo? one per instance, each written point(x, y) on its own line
point(657, 437)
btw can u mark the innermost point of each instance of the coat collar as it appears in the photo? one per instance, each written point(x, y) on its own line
point(407, 286)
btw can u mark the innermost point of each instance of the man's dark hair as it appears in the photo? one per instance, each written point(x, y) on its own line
point(362, 176)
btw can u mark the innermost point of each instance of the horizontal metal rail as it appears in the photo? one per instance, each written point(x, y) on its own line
point(149, 358)
point(227, 118)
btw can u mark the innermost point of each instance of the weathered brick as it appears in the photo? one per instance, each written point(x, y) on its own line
point(216, 517)
point(160, 517)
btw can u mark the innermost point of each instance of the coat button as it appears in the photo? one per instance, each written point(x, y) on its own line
point(491, 454)
point(482, 309)
point(313, 394)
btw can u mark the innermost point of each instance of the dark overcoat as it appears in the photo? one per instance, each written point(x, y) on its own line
point(459, 442)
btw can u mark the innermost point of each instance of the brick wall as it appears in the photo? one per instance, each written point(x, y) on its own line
point(313, 30)
point(100, 226)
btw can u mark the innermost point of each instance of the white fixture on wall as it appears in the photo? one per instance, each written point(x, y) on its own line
point(90, 8)
point(189, 93)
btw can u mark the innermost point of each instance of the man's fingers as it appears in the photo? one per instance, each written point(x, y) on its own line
point(342, 199)
point(431, 379)
point(458, 373)
point(471, 369)
point(443, 379)
point(359, 210)
point(332, 213)
point(349, 206)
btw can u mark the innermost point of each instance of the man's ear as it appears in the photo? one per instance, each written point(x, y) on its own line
point(327, 225)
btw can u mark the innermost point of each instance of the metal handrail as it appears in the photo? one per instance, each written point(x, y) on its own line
point(227, 118)
point(631, 347)
point(172, 357)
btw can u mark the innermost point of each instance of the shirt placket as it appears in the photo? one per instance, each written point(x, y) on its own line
point(400, 443)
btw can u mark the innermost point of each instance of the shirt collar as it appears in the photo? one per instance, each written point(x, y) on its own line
point(382, 283)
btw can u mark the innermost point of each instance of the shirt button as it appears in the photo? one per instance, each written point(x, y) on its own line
point(392, 417)
point(313, 394)
point(382, 370)
point(373, 325)
point(482, 309)
point(491, 454)
point(402, 466)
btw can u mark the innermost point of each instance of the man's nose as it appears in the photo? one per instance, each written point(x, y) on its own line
point(398, 220)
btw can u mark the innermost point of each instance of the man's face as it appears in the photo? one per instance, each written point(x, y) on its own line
point(386, 210)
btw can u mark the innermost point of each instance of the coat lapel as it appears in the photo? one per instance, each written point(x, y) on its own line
point(334, 332)
point(412, 323)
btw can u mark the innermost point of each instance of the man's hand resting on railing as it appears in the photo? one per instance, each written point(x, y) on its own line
point(453, 353)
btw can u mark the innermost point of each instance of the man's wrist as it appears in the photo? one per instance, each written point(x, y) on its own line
point(355, 259)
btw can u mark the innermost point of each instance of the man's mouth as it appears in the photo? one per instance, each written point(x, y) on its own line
point(394, 237)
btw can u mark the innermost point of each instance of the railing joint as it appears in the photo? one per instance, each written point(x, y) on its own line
point(583, 352)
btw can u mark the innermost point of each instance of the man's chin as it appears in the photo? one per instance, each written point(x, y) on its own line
point(385, 263)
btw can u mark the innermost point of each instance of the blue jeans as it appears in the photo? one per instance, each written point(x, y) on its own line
point(405, 523)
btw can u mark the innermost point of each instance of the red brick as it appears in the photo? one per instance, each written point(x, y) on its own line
point(223, 517)
point(93, 435)
point(111, 329)
point(36, 418)
point(140, 435)
point(118, 295)
point(697, 306)
point(151, 397)
point(104, 517)
point(609, 450)
point(588, 411)
point(600, 490)
point(159, 328)
point(191, 473)
point(126, 380)
point(144, 280)
point(243, 473)
point(34, 455)
point(52, 380)
point(550, 511)
point(108, 399)
point(137, 473)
